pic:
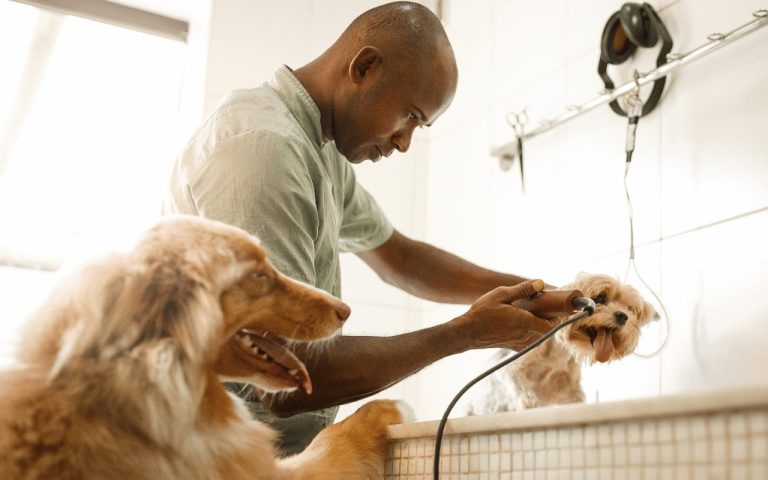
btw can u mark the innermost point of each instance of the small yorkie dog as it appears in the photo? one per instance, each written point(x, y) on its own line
point(551, 373)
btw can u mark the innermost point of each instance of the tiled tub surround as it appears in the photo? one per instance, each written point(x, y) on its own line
point(717, 435)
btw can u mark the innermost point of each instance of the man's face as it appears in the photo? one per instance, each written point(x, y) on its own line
point(381, 111)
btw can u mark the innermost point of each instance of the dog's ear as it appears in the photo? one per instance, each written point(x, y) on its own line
point(116, 305)
point(650, 313)
point(71, 320)
point(180, 306)
point(166, 301)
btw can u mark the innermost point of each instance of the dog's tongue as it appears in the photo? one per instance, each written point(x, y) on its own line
point(603, 345)
point(286, 359)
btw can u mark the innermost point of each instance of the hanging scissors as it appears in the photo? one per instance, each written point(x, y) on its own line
point(518, 121)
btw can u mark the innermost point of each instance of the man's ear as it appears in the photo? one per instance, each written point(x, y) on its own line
point(366, 59)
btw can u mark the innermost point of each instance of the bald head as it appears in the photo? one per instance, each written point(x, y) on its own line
point(391, 71)
point(409, 27)
point(405, 33)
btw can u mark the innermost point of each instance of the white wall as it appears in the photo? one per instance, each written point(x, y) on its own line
point(698, 183)
point(700, 160)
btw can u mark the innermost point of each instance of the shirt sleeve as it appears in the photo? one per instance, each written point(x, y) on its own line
point(364, 225)
point(257, 181)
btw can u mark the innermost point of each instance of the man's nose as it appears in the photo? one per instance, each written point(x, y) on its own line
point(402, 140)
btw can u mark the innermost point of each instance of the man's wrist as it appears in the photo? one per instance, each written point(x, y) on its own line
point(457, 335)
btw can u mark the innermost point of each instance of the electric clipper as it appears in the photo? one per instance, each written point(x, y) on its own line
point(551, 304)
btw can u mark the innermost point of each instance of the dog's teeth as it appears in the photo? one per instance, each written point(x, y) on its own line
point(259, 352)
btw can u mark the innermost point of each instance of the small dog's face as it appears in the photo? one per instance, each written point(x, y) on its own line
point(614, 329)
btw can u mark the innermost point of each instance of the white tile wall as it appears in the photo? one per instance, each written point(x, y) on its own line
point(700, 158)
point(720, 312)
point(526, 46)
point(246, 43)
point(469, 21)
point(723, 173)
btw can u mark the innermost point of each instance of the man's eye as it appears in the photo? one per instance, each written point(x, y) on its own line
point(416, 118)
point(601, 299)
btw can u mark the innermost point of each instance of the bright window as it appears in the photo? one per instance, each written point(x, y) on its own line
point(88, 132)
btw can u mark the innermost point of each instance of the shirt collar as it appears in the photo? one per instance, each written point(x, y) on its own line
point(300, 104)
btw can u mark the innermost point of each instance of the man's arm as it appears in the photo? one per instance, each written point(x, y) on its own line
point(356, 367)
point(431, 273)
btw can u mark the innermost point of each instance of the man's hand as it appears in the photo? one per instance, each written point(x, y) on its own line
point(492, 321)
point(342, 372)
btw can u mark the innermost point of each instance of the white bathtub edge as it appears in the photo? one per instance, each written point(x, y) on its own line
point(573, 414)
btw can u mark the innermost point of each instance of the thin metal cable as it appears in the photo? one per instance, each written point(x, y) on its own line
point(631, 264)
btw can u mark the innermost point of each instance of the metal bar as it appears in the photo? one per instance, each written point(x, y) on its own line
point(674, 61)
point(120, 15)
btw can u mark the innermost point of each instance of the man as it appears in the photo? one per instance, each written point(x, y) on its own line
point(275, 161)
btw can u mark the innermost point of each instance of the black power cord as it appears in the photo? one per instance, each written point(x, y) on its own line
point(588, 309)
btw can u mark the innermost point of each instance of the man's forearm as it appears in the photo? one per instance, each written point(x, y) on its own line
point(431, 273)
point(354, 367)
point(440, 276)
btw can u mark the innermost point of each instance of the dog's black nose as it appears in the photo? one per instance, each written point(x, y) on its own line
point(621, 317)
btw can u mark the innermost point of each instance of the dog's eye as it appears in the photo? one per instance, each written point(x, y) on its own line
point(601, 299)
point(258, 283)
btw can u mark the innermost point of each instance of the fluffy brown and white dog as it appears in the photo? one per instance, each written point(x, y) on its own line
point(118, 374)
point(551, 373)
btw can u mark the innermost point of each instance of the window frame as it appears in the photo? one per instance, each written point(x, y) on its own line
point(118, 15)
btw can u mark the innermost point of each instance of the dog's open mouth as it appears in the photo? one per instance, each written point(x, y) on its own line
point(602, 342)
point(272, 360)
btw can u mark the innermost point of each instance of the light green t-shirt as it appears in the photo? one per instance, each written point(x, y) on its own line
point(260, 162)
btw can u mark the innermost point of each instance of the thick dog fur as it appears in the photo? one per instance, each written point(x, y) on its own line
point(551, 373)
point(118, 374)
